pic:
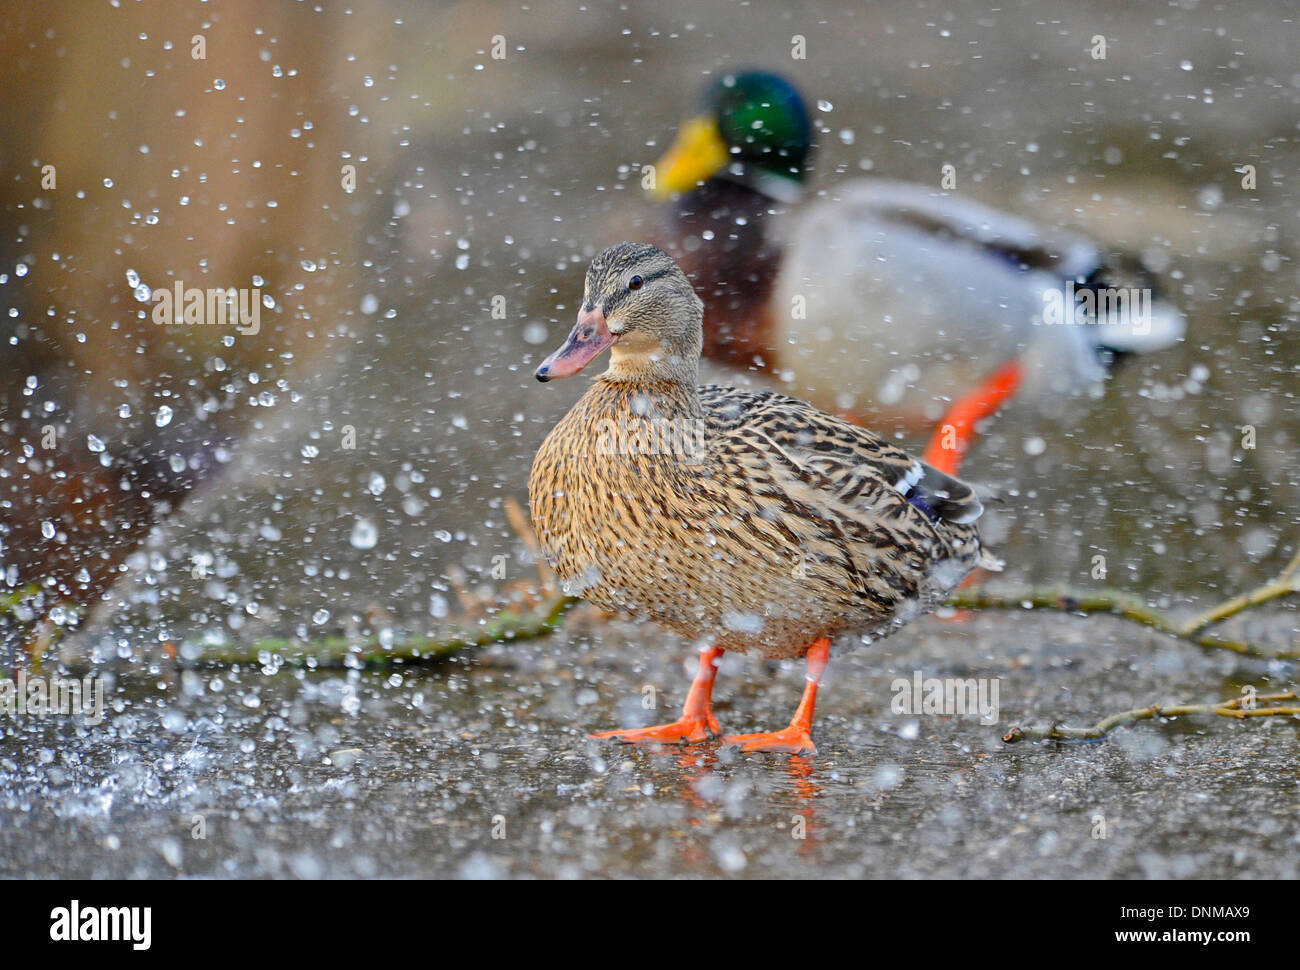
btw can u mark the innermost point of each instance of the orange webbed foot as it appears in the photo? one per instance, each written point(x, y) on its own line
point(684, 730)
point(697, 722)
point(790, 740)
point(797, 738)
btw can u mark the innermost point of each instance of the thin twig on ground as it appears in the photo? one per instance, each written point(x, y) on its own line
point(1129, 607)
point(1255, 705)
point(1286, 583)
point(506, 625)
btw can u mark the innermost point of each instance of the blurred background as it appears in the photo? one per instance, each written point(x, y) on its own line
point(332, 467)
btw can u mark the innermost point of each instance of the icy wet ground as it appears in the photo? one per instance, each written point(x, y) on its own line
point(481, 767)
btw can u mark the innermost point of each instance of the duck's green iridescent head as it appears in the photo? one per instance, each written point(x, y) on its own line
point(753, 129)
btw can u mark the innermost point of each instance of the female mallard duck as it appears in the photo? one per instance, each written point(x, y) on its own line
point(885, 294)
point(740, 519)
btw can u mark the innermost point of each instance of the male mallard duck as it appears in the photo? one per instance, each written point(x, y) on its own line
point(884, 293)
point(744, 520)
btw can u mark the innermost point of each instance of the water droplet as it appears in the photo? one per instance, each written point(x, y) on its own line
point(95, 444)
point(1210, 197)
point(163, 417)
point(887, 777)
point(364, 534)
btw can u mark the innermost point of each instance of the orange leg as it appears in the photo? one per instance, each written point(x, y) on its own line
point(957, 429)
point(797, 738)
point(697, 722)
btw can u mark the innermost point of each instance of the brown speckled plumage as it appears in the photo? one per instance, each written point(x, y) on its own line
point(759, 522)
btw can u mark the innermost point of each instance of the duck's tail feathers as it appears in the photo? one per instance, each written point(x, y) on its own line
point(940, 496)
point(1130, 314)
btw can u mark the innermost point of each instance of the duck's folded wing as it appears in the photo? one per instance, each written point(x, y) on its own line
point(820, 461)
point(922, 223)
point(1024, 244)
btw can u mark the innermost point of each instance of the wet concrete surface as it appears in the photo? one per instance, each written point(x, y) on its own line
point(480, 767)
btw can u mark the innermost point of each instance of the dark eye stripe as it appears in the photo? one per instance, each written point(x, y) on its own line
point(654, 276)
point(618, 298)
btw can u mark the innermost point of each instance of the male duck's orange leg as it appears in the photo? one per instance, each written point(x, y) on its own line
point(956, 431)
point(697, 722)
point(797, 738)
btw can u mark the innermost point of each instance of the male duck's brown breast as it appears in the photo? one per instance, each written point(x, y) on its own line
point(719, 236)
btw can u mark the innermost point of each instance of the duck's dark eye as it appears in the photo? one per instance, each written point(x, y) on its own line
point(635, 283)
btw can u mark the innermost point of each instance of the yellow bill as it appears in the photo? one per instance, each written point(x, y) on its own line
point(696, 154)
